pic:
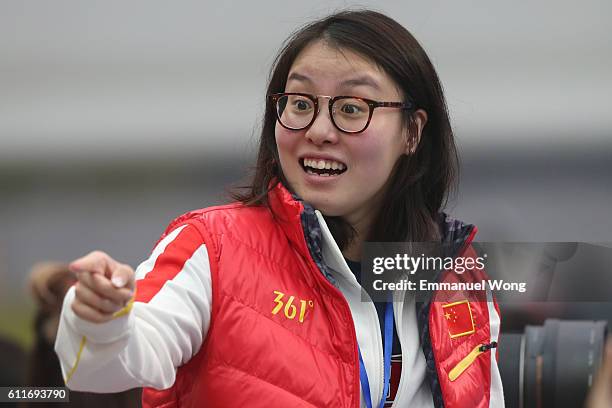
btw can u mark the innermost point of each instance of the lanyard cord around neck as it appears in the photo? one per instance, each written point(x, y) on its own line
point(363, 375)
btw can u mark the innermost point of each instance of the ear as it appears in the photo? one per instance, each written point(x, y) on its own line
point(413, 133)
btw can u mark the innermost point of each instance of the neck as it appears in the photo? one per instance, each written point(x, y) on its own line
point(361, 221)
point(353, 250)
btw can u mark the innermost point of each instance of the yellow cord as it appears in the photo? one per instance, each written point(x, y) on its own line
point(76, 363)
point(119, 313)
point(126, 309)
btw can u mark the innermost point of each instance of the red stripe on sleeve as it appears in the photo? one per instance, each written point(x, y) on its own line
point(169, 263)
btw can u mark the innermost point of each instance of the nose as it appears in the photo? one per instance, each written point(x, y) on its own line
point(322, 129)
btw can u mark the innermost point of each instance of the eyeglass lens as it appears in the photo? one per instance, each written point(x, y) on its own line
point(297, 111)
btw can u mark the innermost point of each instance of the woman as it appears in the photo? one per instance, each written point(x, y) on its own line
point(258, 303)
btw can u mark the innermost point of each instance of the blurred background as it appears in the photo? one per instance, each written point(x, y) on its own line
point(117, 116)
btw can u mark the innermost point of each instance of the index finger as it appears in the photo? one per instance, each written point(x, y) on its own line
point(94, 262)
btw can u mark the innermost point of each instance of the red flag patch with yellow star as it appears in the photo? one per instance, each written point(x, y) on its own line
point(459, 319)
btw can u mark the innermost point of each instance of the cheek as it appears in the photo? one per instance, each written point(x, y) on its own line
point(286, 143)
point(376, 153)
point(285, 140)
point(282, 145)
point(372, 152)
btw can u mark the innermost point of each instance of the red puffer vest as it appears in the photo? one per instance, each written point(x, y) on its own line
point(282, 335)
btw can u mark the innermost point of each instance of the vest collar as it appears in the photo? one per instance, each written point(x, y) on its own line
point(299, 222)
point(285, 206)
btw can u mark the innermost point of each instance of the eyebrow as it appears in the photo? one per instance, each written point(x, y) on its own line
point(363, 80)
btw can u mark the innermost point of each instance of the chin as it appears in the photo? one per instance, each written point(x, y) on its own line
point(325, 201)
point(328, 209)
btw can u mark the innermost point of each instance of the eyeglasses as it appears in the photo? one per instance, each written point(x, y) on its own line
point(349, 114)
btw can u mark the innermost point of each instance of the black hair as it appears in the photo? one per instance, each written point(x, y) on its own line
point(420, 183)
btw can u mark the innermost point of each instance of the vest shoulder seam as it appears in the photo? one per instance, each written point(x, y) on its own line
point(252, 248)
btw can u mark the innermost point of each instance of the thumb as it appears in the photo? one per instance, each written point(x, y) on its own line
point(123, 276)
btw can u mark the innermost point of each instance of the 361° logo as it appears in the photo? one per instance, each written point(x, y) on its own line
point(290, 309)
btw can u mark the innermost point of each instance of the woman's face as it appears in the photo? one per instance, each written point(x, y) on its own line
point(368, 157)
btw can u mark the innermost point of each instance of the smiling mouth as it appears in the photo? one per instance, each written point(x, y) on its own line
point(325, 168)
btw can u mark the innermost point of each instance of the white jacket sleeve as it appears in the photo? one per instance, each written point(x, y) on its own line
point(163, 330)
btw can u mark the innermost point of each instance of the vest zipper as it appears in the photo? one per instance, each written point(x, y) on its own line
point(469, 359)
point(344, 300)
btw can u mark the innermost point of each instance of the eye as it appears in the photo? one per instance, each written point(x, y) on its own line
point(300, 104)
point(350, 109)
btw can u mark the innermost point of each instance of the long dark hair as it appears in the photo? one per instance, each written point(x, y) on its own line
point(421, 182)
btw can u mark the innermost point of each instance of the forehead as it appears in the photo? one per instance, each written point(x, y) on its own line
point(322, 65)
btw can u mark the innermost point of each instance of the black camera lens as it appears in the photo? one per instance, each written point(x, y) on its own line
point(553, 365)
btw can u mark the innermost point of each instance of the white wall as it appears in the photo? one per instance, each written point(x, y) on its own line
point(98, 79)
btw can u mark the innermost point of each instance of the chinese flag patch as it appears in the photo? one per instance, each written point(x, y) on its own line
point(459, 318)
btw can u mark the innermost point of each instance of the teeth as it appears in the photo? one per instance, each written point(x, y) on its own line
point(324, 164)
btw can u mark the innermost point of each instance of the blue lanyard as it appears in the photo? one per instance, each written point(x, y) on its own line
point(363, 375)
